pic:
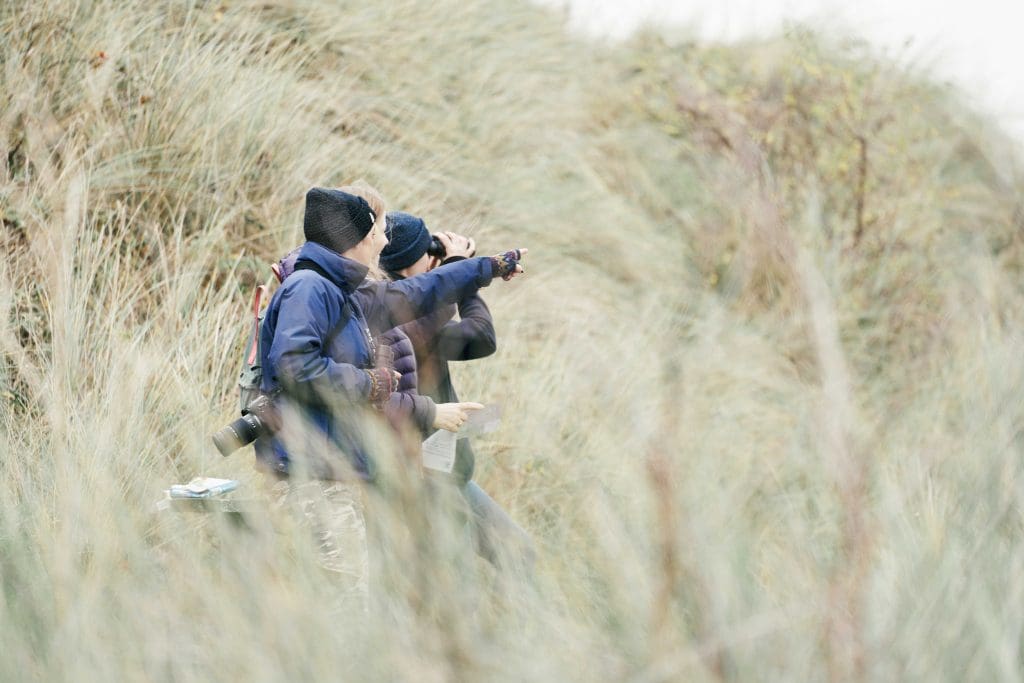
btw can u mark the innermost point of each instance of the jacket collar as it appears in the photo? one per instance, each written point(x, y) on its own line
point(344, 272)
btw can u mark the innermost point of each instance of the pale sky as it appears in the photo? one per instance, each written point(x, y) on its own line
point(977, 45)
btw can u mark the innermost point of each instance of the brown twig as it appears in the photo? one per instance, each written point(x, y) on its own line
point(861, 193)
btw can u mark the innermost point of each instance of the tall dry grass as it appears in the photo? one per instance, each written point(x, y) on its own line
point(761, 384)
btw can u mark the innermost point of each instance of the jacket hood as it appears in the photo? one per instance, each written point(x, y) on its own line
point(344, 272)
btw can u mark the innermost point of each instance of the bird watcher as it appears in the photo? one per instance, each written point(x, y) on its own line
point(438, 339)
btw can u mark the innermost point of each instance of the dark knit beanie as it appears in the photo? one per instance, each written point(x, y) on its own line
point(338, 220)
point(408, 240)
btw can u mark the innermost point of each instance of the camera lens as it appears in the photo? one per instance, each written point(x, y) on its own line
point(241, 432)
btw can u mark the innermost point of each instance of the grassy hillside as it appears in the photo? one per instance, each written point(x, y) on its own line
point(761, 385)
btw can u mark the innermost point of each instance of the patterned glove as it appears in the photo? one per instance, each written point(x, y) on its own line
point(504, 265)
point(383, 382)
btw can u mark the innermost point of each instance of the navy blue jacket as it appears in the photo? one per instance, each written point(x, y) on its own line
point(319, 368)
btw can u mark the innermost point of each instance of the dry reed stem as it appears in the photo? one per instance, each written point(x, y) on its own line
point(844, 628)
point(673, 568)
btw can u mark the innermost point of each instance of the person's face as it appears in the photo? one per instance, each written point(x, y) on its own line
point(379, 239)
point(368, 250)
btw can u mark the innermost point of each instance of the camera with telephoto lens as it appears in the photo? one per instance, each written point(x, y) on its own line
point(260, 418)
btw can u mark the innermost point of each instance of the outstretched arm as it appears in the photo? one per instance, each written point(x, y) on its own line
point(388, 304)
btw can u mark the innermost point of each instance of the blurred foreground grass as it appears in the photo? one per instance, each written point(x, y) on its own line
point(761, 386)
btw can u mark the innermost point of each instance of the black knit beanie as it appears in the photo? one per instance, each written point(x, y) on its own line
point(338, 220)
point(408, 240)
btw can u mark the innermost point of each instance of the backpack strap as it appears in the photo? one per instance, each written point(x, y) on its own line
point(251, 375)
point(315, 267)
point(346, 307)
point(253, 344)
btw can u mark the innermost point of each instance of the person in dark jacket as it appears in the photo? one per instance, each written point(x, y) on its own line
point(439, 339)
point(319, 361)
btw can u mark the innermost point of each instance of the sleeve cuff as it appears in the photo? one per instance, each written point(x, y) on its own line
point(486, 272)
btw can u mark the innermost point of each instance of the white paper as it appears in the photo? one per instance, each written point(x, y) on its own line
point(439, 448)
point(483, 421)
point(439, 451)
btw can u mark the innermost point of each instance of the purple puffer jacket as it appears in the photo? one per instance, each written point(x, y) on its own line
point(406, 405)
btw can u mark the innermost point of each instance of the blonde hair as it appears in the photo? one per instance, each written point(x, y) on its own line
point(363, 189)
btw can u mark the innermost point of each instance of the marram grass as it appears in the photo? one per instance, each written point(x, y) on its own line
point(761, 383)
